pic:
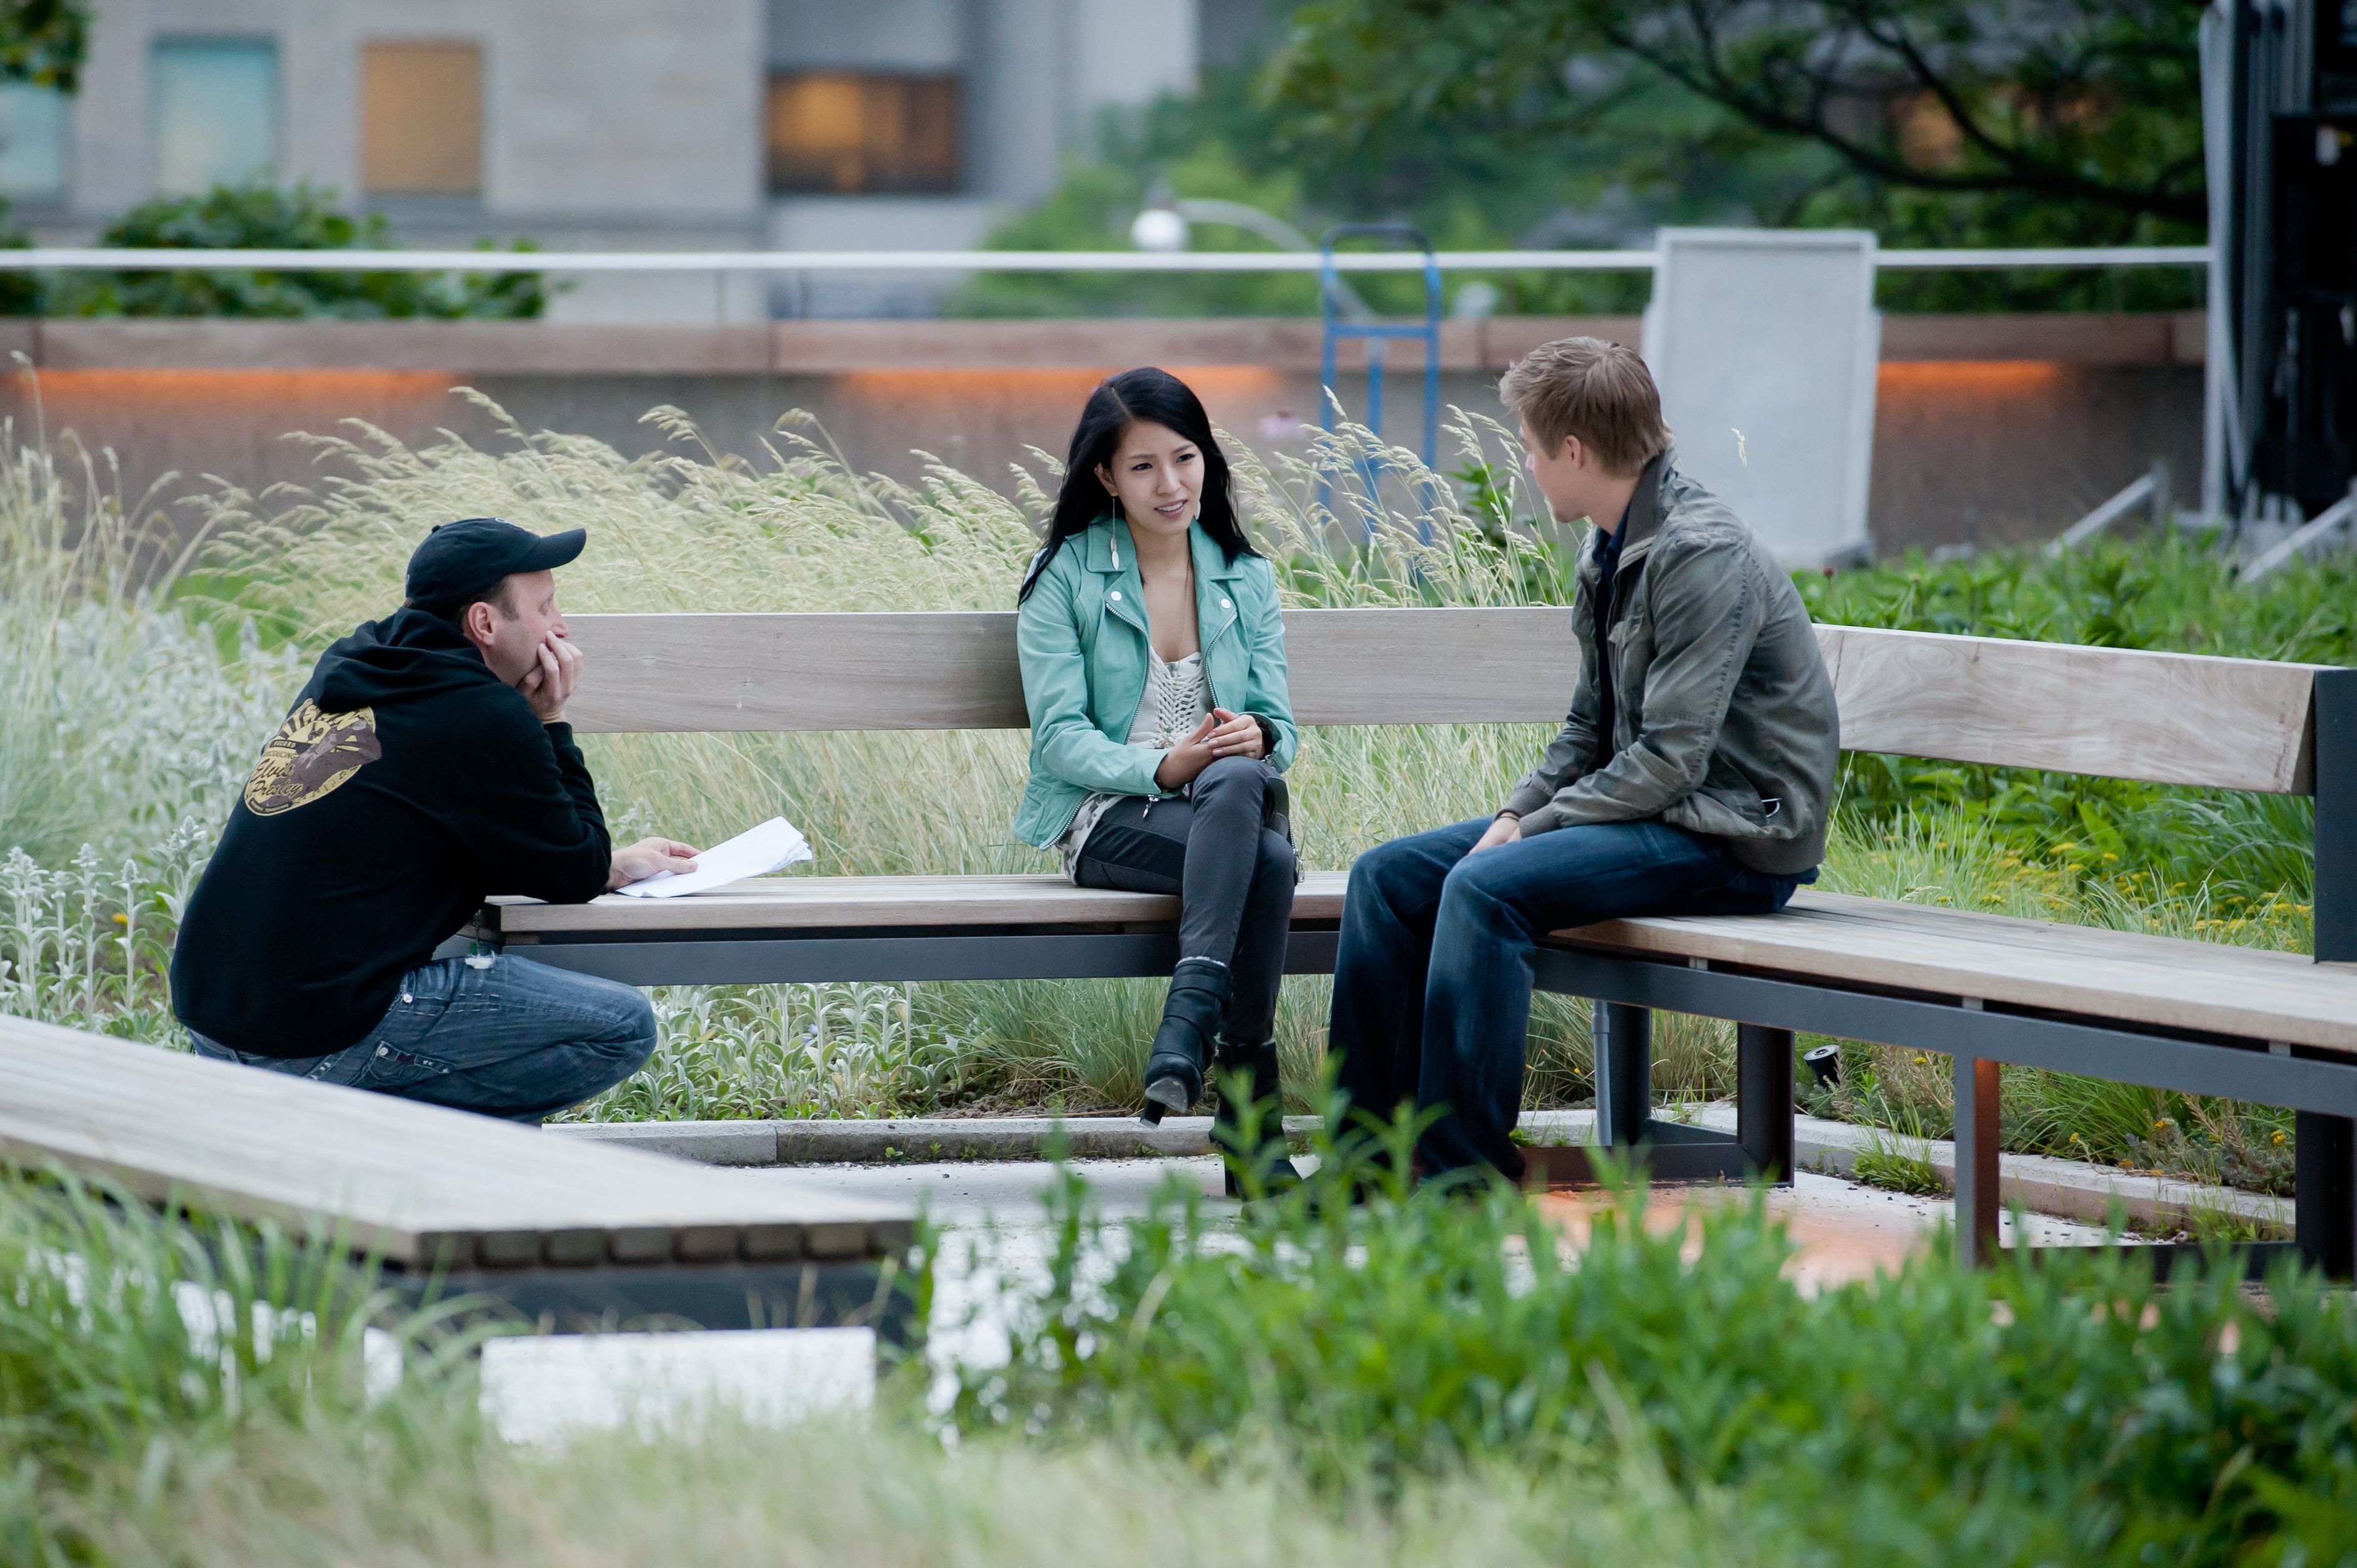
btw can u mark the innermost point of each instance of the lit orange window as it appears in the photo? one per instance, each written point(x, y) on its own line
point(853, 132)
point(421, 119)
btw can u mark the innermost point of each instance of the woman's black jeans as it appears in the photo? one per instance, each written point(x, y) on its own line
point(1234, 878)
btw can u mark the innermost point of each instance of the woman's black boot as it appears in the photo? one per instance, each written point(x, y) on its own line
point(1253, 1070)
point(1191, 1020)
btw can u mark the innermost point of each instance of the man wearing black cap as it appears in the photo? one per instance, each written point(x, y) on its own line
point(427, 764)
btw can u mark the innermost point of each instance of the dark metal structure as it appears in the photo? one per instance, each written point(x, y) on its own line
point(857, 1293)
point(2279, 82)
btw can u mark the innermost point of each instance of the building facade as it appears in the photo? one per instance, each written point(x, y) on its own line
point(613, 123)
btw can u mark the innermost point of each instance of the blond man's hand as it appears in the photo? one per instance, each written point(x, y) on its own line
point(1507, 829)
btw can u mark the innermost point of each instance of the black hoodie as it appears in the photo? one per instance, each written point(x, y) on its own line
point(407, 784)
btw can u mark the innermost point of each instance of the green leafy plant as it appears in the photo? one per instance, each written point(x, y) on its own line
point(140, 1352)
point(264, 217)
point(2072, 1411)
point(1898, 1166)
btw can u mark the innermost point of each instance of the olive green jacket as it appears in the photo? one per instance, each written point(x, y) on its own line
point(1082, 641)
point(1723, 714)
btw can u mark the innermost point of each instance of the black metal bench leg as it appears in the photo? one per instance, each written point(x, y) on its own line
point(1976, 1148)
point(2325, 1161)
point(1763, 1100)
point(2324, 1208)
point(1623, 1037)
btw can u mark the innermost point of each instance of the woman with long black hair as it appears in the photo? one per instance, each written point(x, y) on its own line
point(1153, 659)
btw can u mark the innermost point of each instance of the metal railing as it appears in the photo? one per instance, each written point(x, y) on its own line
point(2314, 533)
point(88, 258)
point(2149, 490)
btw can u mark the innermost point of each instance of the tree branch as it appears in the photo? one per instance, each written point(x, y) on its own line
point(1710, 77)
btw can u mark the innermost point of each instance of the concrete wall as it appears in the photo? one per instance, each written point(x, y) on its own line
point(600, 110)
point(1125, 55)
point(1990, 429)
point(639, 124)
point(873, 35)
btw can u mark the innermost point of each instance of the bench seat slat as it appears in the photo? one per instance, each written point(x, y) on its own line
point(2164, 982)
point(809, 902)
point(2161, 981)
point(399, 1174)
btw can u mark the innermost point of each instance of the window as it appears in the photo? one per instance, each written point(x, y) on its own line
point(850, 131)
point(32, 141)
point(213, 105)
point(421, 119)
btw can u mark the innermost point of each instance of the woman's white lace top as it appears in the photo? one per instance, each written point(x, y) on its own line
point(1176, 700)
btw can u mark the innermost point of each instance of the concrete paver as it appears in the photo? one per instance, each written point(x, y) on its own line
point(1841, 1229)
point(545, 1390)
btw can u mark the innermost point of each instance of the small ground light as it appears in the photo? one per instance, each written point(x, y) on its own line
point(1825, 1063)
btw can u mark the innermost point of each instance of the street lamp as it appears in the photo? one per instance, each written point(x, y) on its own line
point(1164, 225)
point(1159, 226)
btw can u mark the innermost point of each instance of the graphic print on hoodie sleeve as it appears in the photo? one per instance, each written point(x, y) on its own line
point(311, 753)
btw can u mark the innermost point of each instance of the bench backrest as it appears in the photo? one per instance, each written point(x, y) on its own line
point(2169, 718)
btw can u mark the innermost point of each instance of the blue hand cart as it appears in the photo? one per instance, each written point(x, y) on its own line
point(1330, 282)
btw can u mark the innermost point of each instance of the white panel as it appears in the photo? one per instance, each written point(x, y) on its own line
point(1772, 335)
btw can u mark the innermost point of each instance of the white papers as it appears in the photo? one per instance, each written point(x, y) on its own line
point(775, 844)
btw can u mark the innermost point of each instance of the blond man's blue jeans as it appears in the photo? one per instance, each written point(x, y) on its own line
point(1432, 986)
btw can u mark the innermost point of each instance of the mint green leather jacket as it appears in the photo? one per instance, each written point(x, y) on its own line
point(1082, 640)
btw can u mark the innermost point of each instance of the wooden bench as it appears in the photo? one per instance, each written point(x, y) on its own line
point(574, 1235)
point(2195, 1016)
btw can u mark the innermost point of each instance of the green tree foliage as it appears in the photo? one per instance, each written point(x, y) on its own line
point(1590, 122)
point(1090, 209)
point(43, 41)
point(305, 218)
point(1233, 142)
point(2092, 103)
point(1934, 122)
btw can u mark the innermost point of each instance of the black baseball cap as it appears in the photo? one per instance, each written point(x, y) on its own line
point(461, 561)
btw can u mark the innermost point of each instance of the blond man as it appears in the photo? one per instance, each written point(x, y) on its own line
point(1694, 773)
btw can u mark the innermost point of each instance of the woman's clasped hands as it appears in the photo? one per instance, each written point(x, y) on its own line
point(1222, 734)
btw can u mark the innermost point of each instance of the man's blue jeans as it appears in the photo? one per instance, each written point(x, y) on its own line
point(1432, 988)
point(512, 1039)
